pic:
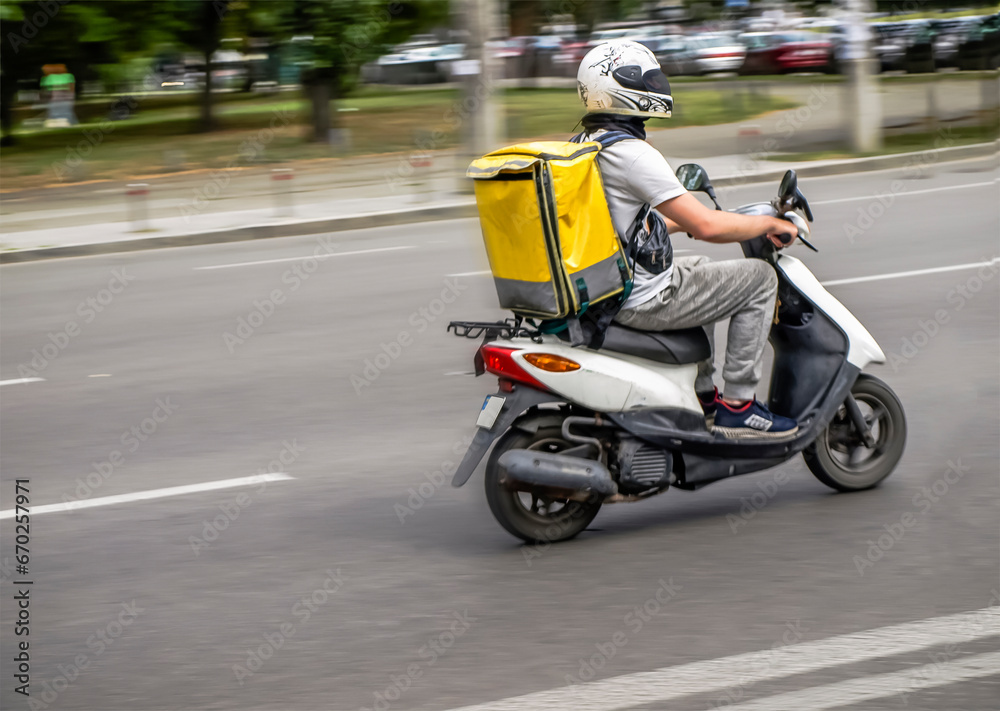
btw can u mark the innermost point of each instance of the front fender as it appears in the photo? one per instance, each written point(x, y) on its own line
point(514, 405)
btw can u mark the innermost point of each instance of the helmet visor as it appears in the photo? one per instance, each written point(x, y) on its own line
point(653, 81)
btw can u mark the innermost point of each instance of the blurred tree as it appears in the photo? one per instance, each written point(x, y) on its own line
point(341, 35)
point(36, 33)
point(84, 35)
point(588, 13)
point(197, 24)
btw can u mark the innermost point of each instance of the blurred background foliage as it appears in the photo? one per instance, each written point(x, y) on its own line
point(372, 76)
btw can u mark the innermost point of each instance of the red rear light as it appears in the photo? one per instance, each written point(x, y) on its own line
point(498, 360)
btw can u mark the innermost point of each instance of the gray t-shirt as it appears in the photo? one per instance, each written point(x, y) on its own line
point(636, 174)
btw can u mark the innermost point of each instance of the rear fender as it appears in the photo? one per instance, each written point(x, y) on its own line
point(515, 404)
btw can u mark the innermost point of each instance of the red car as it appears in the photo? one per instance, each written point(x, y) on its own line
point(782, 52)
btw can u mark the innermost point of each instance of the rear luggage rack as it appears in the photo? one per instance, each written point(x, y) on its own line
point(491, 330)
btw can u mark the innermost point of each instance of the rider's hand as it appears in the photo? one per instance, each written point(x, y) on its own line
point(782, 228)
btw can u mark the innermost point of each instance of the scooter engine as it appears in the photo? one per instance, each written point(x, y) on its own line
point(642, 468)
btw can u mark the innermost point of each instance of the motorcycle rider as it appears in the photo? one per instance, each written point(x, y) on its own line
point(621, 85)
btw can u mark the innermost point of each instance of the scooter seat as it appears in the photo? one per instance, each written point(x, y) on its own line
point(689, 345)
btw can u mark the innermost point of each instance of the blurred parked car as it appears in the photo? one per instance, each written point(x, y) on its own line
point(918, 56)
point(567, 60)
point(783, 52)
point(906, 46)
point(700, 54)
point(643, 34)
point(949, 35)
point(981, 47)
point(409, 64)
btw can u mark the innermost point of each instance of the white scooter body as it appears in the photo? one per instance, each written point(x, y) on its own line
point(615, 382)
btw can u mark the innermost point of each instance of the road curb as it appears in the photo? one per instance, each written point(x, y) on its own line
point(820, 169)
point(250, 232)
point(468, 208)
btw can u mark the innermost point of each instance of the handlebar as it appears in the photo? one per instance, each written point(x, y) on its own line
point(801, 225)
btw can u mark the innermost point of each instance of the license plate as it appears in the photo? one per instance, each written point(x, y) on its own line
point(491, 408)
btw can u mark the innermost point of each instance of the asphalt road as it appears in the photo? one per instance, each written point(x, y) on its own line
point(359, 582)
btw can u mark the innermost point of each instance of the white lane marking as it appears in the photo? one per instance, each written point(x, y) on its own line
point(904, 193)
point(877, 686)
point(671, 683)
point(19, 381)
point(858, 280)
point(100, 375)
point(153, 494)
point(915, 272)
point(302, 259)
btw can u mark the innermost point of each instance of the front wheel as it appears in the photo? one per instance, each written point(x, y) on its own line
point(531, 517)
point(839, 457)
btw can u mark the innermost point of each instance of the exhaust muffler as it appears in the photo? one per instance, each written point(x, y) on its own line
point(556, 476)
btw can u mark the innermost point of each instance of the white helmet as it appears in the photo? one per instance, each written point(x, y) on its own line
point(623, 77)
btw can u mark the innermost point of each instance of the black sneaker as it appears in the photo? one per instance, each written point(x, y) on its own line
point(709, 403)
point(751, 421)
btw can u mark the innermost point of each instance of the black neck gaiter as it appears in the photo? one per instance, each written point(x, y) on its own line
point(632, 125)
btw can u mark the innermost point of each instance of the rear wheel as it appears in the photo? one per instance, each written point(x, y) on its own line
point(531, 517)
point(841, 460)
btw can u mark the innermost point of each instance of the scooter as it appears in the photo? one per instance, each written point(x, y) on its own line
point(577, 428)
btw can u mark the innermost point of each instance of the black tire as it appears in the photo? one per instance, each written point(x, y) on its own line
point(884, 414)
point(561, 520)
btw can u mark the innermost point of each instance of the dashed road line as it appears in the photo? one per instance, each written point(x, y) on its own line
point(153, 494)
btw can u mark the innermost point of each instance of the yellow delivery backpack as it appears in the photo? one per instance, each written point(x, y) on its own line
point(551, 244)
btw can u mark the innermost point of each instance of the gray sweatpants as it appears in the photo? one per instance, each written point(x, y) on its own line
point(702, 292)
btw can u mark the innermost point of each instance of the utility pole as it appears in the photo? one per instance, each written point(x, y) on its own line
point(863, 97)
point(480, 125)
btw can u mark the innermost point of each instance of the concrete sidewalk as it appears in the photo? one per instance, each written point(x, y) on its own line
point(184, 229)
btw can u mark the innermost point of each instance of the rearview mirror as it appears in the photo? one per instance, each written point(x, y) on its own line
point(789, 185)
point(693, 177)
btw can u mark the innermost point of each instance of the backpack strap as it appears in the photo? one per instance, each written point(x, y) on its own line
point(605, 139)
point(589, 327)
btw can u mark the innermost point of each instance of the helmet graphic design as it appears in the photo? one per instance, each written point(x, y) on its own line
point(623, 77)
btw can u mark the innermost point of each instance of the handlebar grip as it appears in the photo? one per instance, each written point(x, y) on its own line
point(786, 238)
